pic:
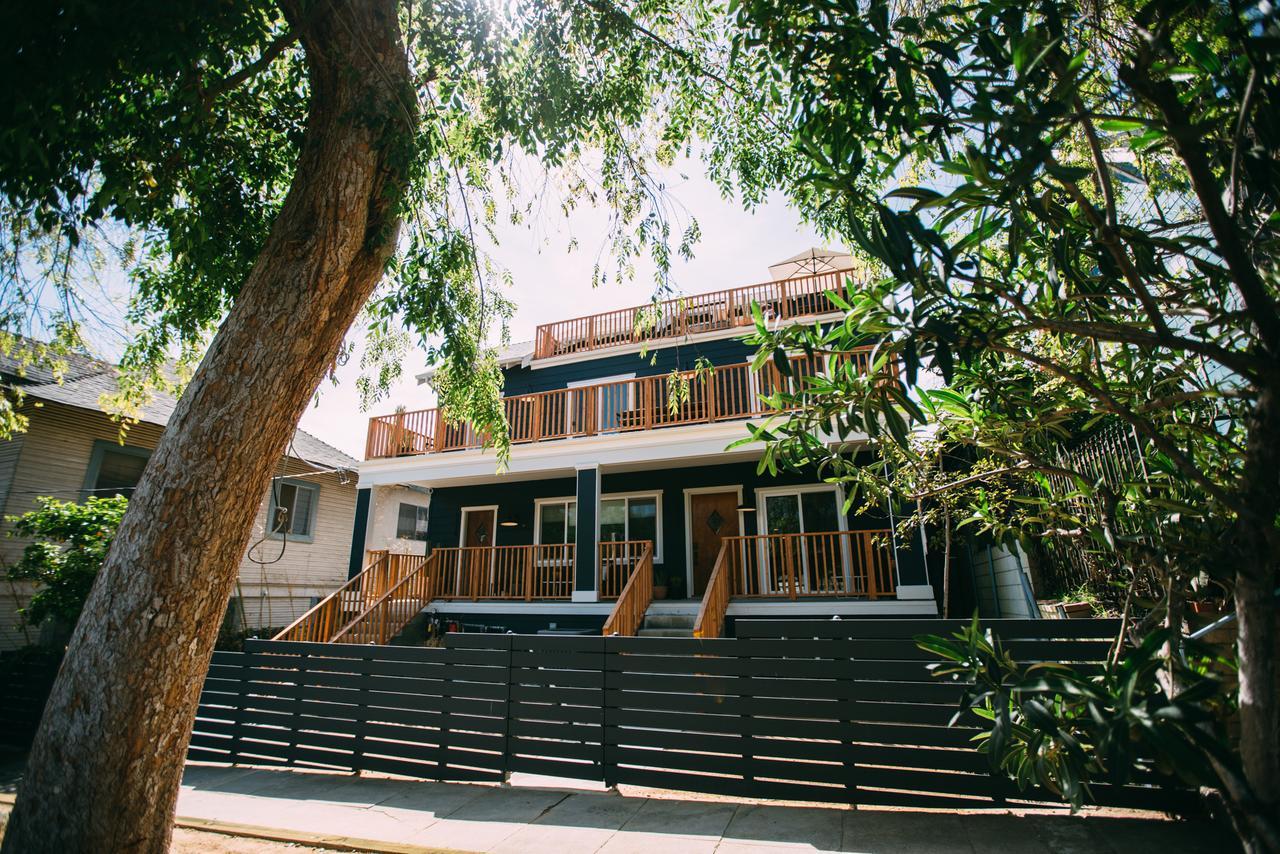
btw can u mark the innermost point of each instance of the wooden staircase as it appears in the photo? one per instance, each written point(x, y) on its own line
point(373, 606)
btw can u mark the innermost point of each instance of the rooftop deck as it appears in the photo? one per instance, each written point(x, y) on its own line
point(675, 318)
point(730, 392)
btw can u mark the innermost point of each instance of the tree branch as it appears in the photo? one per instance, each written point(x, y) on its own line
point(218, 87)
point(1187, 145)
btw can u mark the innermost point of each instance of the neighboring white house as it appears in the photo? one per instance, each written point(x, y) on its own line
point(71, 450)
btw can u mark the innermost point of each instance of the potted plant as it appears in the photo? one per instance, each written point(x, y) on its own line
point(659, 587)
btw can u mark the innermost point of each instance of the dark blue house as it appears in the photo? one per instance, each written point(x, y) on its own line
point(621, 508)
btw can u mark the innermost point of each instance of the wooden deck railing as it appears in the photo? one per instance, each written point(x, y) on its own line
point(715, 599)
point(723, 394)
point(387, 616)
point(633, 601)
point(856, 564)
point(382, 572)
point(505, 572)
point(675, 318)
point(618, 562)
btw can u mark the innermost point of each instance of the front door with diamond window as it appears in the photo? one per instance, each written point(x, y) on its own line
point(713, 516)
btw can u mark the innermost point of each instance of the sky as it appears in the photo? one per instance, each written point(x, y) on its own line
point(551, 283)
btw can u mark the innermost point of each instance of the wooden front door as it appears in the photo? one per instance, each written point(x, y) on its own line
point(477, 533)
point(712, 516)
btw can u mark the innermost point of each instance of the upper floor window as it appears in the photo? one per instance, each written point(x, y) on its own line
point(411, 523)
point(293, 509)
point(632, 517)
point(114, 469)
point(556, 521)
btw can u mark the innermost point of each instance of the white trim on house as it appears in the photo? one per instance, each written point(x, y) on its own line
point(462, 523)
point(692, 445)
point(737, 608)
point(827, 608)
point(616, 378)
point(688, 525)
point(644, 493)
point(560, 607)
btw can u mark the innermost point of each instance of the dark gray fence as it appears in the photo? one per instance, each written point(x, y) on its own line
point(838, 711)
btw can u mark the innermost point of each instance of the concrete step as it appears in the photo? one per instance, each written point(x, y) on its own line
point(669, 621)
point(665, 633)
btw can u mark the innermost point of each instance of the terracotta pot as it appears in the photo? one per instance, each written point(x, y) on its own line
point(659, 591)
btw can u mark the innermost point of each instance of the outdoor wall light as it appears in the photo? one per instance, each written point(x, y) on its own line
point(746, 508)
point(509, 523)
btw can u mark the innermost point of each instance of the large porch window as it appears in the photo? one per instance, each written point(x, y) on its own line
point(800, 546)
point(632, 517)
point(804, 510)
point(556, 521)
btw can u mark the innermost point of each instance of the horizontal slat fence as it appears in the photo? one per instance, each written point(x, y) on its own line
point(838, 711)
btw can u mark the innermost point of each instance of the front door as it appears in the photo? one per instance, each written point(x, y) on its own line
point(712, 517)
point(477, 535)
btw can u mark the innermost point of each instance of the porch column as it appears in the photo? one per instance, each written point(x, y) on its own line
point(359, 531)
point(587, 526)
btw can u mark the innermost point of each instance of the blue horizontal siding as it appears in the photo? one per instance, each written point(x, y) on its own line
point(515, 500)
point(656, 362)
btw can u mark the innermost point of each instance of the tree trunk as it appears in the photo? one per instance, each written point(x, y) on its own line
point(1256, 577)
point(106, 766)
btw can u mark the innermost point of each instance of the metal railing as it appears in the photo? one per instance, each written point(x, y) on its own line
point(644, 403)
point(804, 296)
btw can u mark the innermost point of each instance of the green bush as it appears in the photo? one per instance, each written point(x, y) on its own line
point(70, 543)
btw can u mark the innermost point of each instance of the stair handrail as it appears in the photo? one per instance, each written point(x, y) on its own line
point(715, 599)
point(317, 624)
point(633, 601)
point(395, 608)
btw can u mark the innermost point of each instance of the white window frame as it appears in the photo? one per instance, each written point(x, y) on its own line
point(616, 378)
point(312, 519)
point(648, 493)
point(418, 507)
point(539, 503)
point(762, 522)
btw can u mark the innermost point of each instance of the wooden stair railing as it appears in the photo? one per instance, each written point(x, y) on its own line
point(633, 601)
point(333, 612)
point(326, 619)
point(396, 608)
point(715, 599)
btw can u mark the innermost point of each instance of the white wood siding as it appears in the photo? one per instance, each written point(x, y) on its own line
point(52, 458)
point(1011, 594)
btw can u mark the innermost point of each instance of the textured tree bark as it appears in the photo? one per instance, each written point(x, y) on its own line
point(1256, 578)
point(107, 762)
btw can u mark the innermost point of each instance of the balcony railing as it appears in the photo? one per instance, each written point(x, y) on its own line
point(856, 564)
point(853, 564)
point(676, 318)
point(646, 403)
point(505, 572)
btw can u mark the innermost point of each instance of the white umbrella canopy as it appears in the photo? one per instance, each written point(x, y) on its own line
point(811, 262)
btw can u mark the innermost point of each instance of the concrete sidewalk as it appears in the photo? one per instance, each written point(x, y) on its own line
point(529, 819)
